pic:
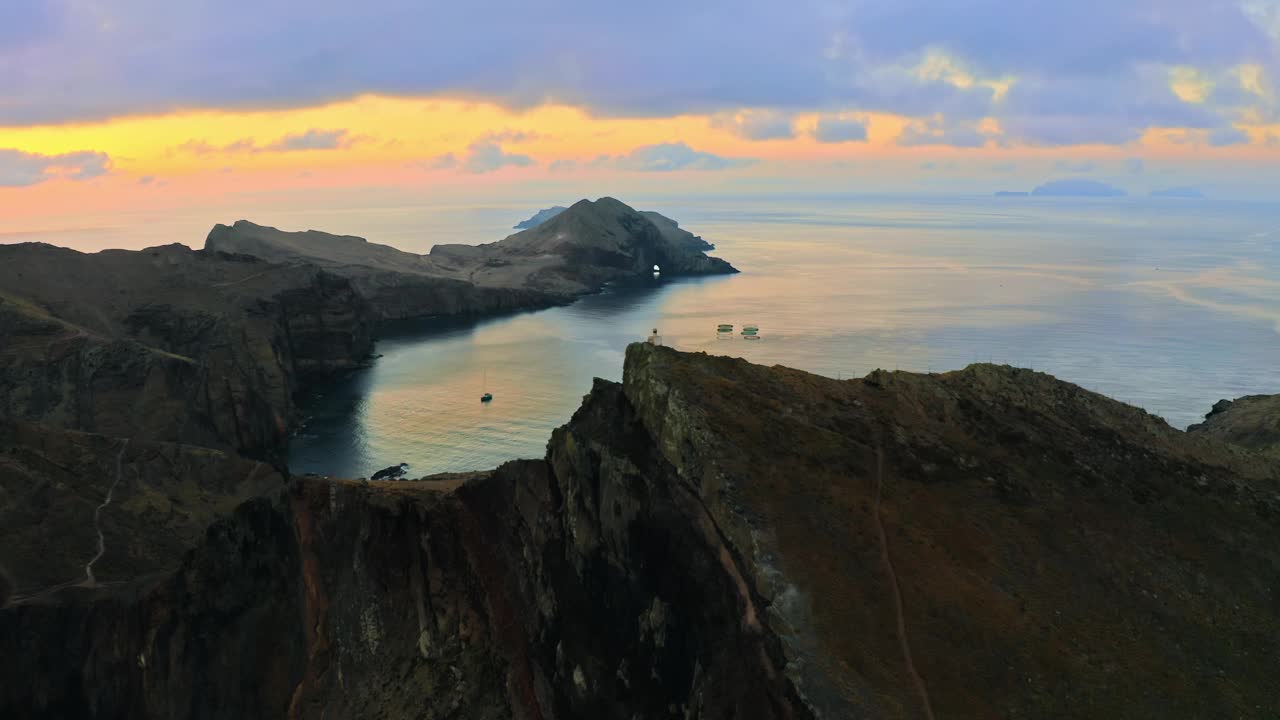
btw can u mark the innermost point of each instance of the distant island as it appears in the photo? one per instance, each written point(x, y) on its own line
point(1186, 193)
point(540, 217)
point(1070, 187)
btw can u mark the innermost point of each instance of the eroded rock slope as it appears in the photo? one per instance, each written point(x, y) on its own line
point(714, 539)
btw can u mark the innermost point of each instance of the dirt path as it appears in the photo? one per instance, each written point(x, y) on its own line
point(89, 580)
point(897, 591)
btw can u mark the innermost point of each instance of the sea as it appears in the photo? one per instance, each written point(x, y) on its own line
point(1166, 304)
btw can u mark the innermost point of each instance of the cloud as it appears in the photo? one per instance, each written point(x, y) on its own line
point(665, 157)
point(1051, 73)
point(21, 169)
point(514, 136)
point(755, 124)
point(1005, 167)
point(1216, 137)
point(446, 161)
point(836, 129)
point(485, 156)
point(311, 140)
point(558, 166)
point(1227, 136)
point(937, 132)
point(1135, 165)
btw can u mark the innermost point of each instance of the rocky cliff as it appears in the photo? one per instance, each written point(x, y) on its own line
point(573, 252)
point(716, 539)
point(168, 343)
point(1251, 422)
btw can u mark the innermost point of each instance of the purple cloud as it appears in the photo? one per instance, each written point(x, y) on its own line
point(756, 124)
point(1089, 71)
point(1227, 136)
point(665, 157)
point(484, 156)
point(941, 133)
point(311, 140)
point(20, 169)
point(834, 129)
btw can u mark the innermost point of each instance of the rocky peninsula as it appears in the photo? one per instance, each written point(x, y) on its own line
point(575, 252)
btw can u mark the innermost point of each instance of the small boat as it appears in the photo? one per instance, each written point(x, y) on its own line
point(750, 337)
point(749, 333)
point(750, 328)
point(487, 396)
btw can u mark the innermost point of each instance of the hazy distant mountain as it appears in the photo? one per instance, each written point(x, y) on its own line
point(668, 227)
point(1179, 192)
point(1012, 193)
point(540, 217)
point(1074, 187)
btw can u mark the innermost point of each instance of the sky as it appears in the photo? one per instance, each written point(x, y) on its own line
point(146, 104)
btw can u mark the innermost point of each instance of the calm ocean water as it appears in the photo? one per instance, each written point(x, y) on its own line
point(1167, 305)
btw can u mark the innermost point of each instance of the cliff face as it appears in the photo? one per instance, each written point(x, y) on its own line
point(716, 539)
point(571, 253)
point(169, 343)
point(991, 541)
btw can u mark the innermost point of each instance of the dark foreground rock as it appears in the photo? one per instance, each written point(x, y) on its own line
point(391, 473)
point(714, 539)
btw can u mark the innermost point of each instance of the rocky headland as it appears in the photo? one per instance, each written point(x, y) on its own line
point(711, 538)
point(572, 253)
